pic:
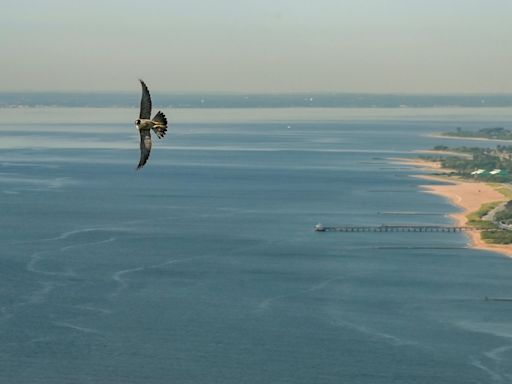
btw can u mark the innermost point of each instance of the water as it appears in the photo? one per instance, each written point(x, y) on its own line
point(234, 100)
point(204, 266)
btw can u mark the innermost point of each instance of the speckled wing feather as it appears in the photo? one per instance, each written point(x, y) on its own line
point(145, 102)
point(145, 147)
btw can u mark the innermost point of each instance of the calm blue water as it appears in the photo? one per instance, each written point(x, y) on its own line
point(204, 268)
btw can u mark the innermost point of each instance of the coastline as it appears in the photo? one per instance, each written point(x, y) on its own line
point(465, 194)
point(440, 136)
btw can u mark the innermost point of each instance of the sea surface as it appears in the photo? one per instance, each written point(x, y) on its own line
point(203, 267)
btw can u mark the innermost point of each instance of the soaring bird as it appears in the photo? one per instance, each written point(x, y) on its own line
point(145, 124)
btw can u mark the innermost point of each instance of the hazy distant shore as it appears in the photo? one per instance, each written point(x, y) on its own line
point(441, 136)
point(466, 194)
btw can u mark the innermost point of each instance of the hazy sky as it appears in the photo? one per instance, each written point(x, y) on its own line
point(385, 46)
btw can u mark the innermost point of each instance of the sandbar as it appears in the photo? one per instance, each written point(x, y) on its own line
point(441, 136)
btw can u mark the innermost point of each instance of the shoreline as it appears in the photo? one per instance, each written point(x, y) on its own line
point(441, 136)
point(465, 194)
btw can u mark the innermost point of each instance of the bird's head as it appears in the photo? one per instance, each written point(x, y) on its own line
point(137, 123)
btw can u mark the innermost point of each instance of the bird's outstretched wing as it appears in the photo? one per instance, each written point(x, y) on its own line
point(145, 147)
point(145, 102)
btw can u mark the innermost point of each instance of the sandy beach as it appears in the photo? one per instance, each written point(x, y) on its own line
point(467, 195)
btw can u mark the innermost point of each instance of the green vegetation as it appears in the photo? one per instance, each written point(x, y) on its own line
point(491, 233)
point(504, 190)
point(475, 218)
point(464, 161)
point(474, 158)
point(497, 237)
point(505, 216)
point(497, 133)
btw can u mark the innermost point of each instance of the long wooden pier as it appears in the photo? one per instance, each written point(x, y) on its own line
point(394, 228)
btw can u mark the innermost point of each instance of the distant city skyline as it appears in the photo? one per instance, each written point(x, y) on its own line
point(264, 46)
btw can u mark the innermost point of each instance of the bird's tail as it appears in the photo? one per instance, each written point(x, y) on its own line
point(160, 127)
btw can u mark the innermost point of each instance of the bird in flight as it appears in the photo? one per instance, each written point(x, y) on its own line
point(145, 124)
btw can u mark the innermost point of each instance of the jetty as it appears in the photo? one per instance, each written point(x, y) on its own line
point(498, 299)
point(394, 228)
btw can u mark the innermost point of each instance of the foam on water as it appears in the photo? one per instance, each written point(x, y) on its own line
point(122, 281)
point(265, 304)
point(75, 327)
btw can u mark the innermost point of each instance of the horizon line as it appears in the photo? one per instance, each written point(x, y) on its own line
point(262, 93)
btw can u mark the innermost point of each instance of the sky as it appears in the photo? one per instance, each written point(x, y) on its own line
point(257, 46)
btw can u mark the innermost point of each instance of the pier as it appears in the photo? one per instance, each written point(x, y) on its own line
point(394, 228)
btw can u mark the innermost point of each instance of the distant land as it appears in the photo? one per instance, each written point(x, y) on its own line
point(496, 133)
point(296, 100)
